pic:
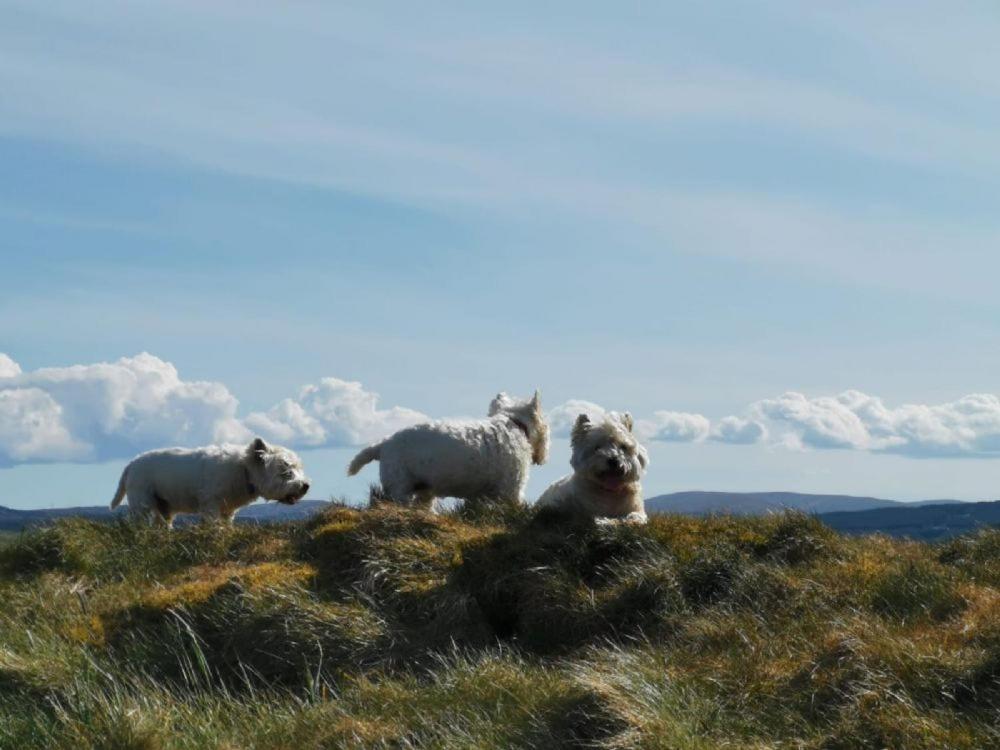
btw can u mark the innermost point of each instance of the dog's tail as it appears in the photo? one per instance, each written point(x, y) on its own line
point(120, 492)
point(369, 454)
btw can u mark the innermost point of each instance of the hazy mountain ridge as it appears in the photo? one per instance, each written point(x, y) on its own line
point(927, 519)
point(12, 519)
point(753, 503)
point(926, 522)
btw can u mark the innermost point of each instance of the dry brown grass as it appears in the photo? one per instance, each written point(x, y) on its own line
point(396, 628)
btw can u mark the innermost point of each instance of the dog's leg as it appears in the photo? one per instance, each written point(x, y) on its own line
point(163, 512)
point(423, 498)
point(511, 491)
point(145, 506)
point(148, 516)
point(400, 487)
point(154, 518)
point(214, 512)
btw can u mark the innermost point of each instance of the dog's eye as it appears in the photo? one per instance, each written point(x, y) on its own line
point(287, 474)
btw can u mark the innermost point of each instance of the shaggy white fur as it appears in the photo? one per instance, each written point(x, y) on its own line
point(215, 481)
point(608, 463)
point(474, 460)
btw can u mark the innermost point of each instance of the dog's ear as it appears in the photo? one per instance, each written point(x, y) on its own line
point(580, 428)
point(628, 421)
point(257, 450)
point(501, 400)
point(536, 401)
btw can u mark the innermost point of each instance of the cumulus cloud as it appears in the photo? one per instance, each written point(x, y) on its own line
point(562, 417)
point(665, 426)
point(32, 429)
point(117, 409)
point(8, 367)
point(331, 413)
point(108, 410)
point(824, 422)
point(738, 431)
point(854, 420)
point(675, 427)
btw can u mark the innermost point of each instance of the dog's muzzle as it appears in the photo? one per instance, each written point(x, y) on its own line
point(614, 476)
point(295, 496)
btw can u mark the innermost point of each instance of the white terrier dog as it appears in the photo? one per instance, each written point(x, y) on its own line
point(485, 459)
point(215, 481)
point(608, 463)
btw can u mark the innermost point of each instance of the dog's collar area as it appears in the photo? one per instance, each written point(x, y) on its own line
point(521, 426)
point(251, 490)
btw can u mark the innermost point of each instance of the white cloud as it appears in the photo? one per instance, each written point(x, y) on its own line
point(8, 367)
point(113, 410)
point(675, 427)
point(110, 410)
point(854, 420)
point(32, 429)
point(331, 413)
point(822, 422)
point(562, 417)
point(229, 109)
point(738, 431)
point(287, 422)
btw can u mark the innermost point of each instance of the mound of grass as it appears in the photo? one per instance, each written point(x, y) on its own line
point(496, 628)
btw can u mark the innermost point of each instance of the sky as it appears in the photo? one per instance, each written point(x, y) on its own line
point(769, 230)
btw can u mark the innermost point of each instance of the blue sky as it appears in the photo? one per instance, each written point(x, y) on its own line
point(682, 211)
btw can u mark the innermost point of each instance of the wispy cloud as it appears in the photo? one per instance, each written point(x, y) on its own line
point(427, 116)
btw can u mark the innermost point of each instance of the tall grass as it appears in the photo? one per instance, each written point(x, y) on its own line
point(496, 629)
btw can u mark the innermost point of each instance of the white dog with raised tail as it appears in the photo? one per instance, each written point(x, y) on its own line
point(214, 482)
point(476, 460)
point(608, 463)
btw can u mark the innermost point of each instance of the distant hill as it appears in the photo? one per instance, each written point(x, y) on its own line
point(756, 503)
point(15, 520)
point(925, 522)
point(929, 520)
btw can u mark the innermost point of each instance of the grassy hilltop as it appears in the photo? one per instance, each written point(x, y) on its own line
point(397, 629)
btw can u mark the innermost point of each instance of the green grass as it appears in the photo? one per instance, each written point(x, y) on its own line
point(496, 629)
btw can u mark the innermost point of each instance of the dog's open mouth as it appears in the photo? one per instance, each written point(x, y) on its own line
point(292, 499)
point(612, 480)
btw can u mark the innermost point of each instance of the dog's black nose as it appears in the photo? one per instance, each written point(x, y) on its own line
point(305, 487)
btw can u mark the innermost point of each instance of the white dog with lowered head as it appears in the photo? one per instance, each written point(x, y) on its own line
point(608, 463)
point(215, 481)
point(485, 459)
